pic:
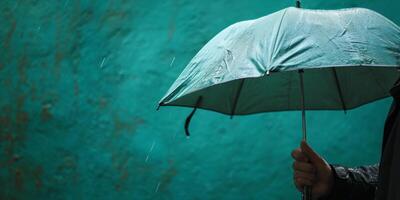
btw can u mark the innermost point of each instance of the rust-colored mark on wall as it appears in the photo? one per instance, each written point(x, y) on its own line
point(172, 21)
point(58, 57)
point(68, 167)
point(9, 36)
point(120, 162)
point(21, 118)
point(5, 122)
point(126, 126)
point(7, 82)
point(166, 178)
point(22, 64)
point(45, 114)
point(122, 179)
point(32, 92)
point(16, 157)
point(113, 15)
point(37, 175)
point(103, 102)
point(19, 179)
point(76, 87)
point(69, 162)
point(59, 43)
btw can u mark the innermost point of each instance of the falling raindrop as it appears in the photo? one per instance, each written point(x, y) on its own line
point(158, 186)
point(172, 62)
point(102, 63)
point(151, 149)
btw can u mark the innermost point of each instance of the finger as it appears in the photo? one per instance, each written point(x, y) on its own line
point(298, 185)
point(311, 154)
point(304, 167)
point(306, 176)
point(299, 156)
point(303, 182)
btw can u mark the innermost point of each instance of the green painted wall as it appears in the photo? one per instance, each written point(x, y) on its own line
point(80, 81)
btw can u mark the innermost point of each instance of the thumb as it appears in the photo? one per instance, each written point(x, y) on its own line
point(311, 154)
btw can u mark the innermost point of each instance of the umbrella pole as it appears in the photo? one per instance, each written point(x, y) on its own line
point(303, 107)
point(306, 195)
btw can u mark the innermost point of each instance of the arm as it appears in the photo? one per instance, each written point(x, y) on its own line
point(332, 182)
point(354, 183)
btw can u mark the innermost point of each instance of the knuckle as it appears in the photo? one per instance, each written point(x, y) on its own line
point(293, 154)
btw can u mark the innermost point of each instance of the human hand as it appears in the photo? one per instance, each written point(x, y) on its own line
point(311, 170)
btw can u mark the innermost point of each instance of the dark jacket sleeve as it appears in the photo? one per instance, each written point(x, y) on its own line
point(354, 183)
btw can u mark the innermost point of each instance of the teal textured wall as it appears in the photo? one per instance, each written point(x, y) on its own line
point(80, 81)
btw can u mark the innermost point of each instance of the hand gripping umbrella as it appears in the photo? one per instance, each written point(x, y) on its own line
point(293, 59)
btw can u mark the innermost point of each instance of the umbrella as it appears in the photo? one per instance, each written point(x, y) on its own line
point(293, 59)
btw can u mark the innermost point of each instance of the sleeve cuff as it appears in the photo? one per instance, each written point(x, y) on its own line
point(341, 184)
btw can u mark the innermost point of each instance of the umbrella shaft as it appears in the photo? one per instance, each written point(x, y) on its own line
point(303, 107)
point(307, 190)
point(303, 116)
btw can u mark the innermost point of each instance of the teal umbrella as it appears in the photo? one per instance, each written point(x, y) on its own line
point(293, 59)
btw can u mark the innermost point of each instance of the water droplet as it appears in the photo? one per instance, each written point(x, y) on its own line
point(158, 186)
point(172, 62)
point(151, 149)
point(102, 62)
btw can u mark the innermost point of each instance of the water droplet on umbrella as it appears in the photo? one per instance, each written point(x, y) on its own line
point(172, 62)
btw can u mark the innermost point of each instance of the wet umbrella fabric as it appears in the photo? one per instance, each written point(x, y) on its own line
point(349, 57)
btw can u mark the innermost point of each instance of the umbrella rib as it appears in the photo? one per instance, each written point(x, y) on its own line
point(237, 97)
point(339, 89)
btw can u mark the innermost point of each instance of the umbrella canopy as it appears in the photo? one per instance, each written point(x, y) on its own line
point(349, 57)
point(290, 60)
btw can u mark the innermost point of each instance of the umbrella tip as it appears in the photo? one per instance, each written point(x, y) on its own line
point(298, 4)
point(159, 105)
